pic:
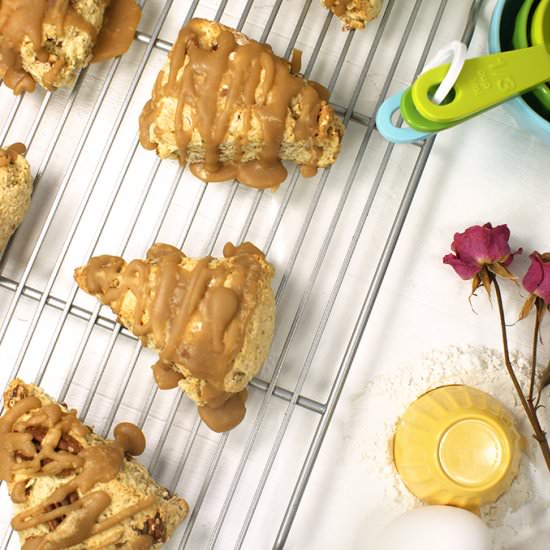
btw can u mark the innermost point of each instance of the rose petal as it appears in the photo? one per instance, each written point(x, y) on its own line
point(471, 246)
point(537, 278)
point(510, 257)
point(465, 270)
point(534, 274)
point(497, 246)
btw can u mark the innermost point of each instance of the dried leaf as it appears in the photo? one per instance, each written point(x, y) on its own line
point(504, 272)
point(476, 283)
point(486, 281)
point(527, 307)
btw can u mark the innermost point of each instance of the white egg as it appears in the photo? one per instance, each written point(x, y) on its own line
point(436, 528)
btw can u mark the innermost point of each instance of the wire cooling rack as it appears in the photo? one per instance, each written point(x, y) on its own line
point(331, 240)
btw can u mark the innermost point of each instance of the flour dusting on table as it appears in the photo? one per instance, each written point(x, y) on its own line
point(385, 398)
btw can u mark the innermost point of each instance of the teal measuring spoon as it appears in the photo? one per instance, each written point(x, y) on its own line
point(392, 130)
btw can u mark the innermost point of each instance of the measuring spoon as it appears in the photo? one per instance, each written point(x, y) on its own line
point(540, 35)
point(522, 39)
point(420, 128)
point(415, 120)
point(490, 80)
point(522, 25)
point(483, 83)
point(392, 131)
point(487, 81)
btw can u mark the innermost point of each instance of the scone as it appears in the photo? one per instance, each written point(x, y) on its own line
point(15, 190)
point(211, 320)
point(72, 488)
point(49, 41)
point(355, 14)
point(232, 109)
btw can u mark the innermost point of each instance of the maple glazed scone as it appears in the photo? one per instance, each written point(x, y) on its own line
point(15, 190)
point(355, 14)
point(211, 320)
point(49, 41)
point(232, 109)
point(74, 489)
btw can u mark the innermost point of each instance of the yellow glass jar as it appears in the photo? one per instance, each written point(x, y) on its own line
point(457, 445)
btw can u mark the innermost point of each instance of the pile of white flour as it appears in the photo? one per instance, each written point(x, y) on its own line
point(385, 398)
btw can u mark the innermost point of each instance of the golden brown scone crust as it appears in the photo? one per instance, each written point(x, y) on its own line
point(259, 309)
point(74, 46)
point(162, 132)
point(15, 196)
point(132, 485)
point(359, 12)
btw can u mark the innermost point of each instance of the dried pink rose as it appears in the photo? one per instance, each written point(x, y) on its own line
point(537, 278)
point(480, 246)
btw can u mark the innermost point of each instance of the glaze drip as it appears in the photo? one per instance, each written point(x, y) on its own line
point(338, 7)
point(10, 154)
point(118, 30)
point(233, 83)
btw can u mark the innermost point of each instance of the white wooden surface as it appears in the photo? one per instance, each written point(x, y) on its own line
point(484, 170)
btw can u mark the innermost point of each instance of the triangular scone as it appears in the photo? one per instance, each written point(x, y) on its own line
point(49, 41)
point(72, 488)
point(355, 14)
point(15, 190)
point(211, 320)
point(232, 109)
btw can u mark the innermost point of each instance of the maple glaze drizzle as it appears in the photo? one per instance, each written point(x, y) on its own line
point(194, 319)
point(165, 377)
point(131, 438)
point(338, 7)
point(21, 19)
point(120, 22)
point(213, 83)
point(143, 542)
point(10, 154)
point(37, 439)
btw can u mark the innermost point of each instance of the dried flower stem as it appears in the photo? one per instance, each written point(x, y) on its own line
point(527, 405)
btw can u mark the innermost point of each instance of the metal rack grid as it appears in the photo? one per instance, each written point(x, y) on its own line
point(236, 483)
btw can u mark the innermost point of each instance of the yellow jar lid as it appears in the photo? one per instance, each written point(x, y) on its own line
point(457, 445)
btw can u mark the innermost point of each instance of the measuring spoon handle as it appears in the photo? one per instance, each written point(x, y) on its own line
point(392, 131)
point(483, 83)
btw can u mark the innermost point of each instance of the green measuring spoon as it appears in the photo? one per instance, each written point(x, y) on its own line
point(488, 81)
point(521, 38)
point(524, 28)
point(483, 83)
point(540, 28)
point(540, 35)
point(415, 120)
